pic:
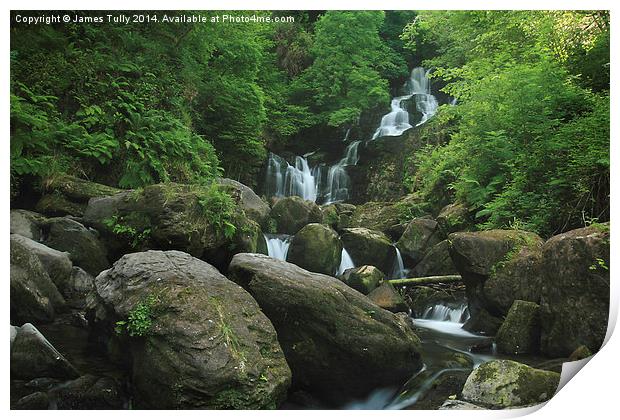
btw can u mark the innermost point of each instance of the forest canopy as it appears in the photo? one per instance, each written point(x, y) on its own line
point(128, 105)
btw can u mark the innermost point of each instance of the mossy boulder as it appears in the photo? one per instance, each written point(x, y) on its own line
point(482, 322)
point(69, 195)
point(170, 216)
point(454, 218)
point(338, 215)
point(316, 248)
point(253, 206)
point(436, 262)
point(387, 297)
point(293, 213)
point(203, 341)
point(338, 343)
point(364, 279)
point(89, 392)
point(505, 384)
point(520, 331)
point(381, 216)
point(369, 247)
point(420, 235)
point(84, 247)
point(33, 295)
point(575, 291)
point(478, 255)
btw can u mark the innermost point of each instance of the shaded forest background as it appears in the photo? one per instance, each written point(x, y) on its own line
point(527, 145)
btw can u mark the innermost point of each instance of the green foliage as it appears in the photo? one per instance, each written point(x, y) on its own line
point(135, 236)
point(218, 207)
point(140, 319)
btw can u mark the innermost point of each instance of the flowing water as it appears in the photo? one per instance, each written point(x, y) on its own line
point(418, 88)
point(398, 267)
point(277, 246)
point(346, 262)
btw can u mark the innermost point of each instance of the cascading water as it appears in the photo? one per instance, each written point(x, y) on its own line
point(338, 182)
point(277, 246)
point(418, 87)
point(346, 262)
point(398, 267)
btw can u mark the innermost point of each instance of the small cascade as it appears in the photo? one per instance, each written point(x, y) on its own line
point(277, 246)
point(346, 262)
point(418, 87)
point(439, 312)
point(398, 267)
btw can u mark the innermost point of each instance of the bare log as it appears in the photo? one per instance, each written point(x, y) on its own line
point(420, 281)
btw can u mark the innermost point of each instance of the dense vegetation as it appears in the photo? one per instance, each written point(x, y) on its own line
point(130, 105)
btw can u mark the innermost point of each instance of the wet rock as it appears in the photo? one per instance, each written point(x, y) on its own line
point(448, 383)
point(34, 297)
point(88, 392)
point(316, 248)
point(520, 331)
point(34, 401)
point(459, 405)
point(293, 213)
point(338, 215)
point(581, 352)
point(419, 236)
point(27, 223)
point(338, 344)
point(504, 384)
point(479, 255)
point(436, 262)
point(32, 356)
point(205, 342)
point(369, 247)
point(387, 297)
point(169, 216)
point(483, 323)
point(56, 263)
point(78, 288)
point(575, 291)
point(364, 279)
point(253, 206)
point(84, 248)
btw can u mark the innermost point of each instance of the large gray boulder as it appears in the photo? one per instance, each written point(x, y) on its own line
point(195, 339)
point(78, 288)
point(316, 248)
point(27, 223)
point(32, 356)
point(436, 262)
point(253, 206)
point(481, 255)
point(34, 297)
point(387, 297)
point(56, 263)
point(369, 247)
point(420, 235)
point(293, 213)
point(505, 384)
point(338, 344)
point(575, 291)
point(84, 248)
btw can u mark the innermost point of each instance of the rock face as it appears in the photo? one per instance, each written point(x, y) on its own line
point(56, 263)
point(34, 297)
point(169, 216)
point(85, 249)
point(32, 356)
point(364, 279)
point(204, 344)
point(520, 331)
point(27, 223)
point(369, 247)
point(337, 342)
point(504, 384)
point(436, 262)
point(479, 255)
point(418, 237)
point(253, 206)
point(575, 293)
point(316, 248)
point(386, 297)
point(293, 213)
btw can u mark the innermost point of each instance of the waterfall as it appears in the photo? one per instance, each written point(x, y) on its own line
point(346, 262)
point(277, 246)
point(440, 312)
point(398, 267)
point(417, 87)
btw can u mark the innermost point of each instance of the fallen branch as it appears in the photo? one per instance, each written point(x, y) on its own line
point(419, 281)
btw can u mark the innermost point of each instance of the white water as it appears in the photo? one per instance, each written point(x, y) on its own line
point(327, 184)
point(398, 268)
point(346, 262)
point(277, 246)
point(418, 87)
point(446, 319)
